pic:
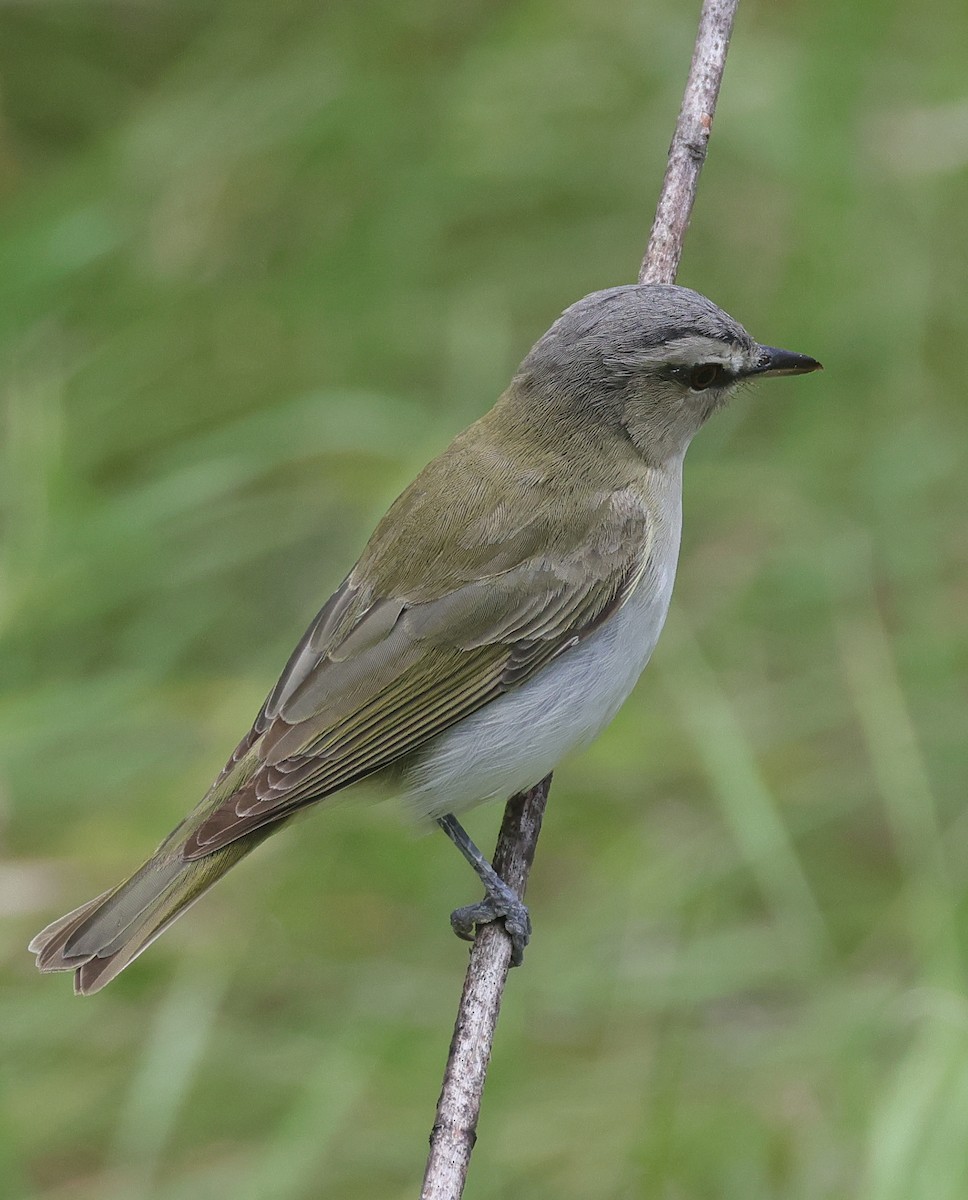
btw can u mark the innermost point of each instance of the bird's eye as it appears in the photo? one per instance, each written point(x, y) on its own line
point(707, 375)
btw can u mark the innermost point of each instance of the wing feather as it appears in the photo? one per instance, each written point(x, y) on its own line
point(376, 676)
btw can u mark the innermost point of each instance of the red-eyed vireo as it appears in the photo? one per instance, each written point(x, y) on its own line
point(499, 616)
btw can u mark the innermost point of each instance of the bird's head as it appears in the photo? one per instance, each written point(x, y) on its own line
point(651, 360)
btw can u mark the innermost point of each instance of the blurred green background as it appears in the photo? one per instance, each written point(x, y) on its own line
point(258, 263)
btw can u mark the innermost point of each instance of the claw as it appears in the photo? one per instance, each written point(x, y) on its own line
point(500, 903)
point(517, 921)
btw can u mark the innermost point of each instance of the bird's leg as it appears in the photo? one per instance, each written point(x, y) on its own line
point(500, 903)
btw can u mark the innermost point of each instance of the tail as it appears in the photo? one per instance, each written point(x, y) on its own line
point(99, 939)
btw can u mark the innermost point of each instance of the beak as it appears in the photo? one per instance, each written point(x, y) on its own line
point(783, 362)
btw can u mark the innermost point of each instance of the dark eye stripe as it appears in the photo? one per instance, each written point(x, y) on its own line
point(707, 375)
point(703, 375)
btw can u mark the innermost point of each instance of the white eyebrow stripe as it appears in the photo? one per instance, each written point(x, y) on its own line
point(695, 349)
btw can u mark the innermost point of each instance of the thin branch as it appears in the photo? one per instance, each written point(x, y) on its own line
point(455, 1126)
point(689, 143)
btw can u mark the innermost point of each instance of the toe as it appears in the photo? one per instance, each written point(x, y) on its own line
point(517, 922)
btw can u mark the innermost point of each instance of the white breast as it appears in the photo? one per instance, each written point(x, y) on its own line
point(516, 740)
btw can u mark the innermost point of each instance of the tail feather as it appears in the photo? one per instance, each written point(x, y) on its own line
point(42, 943)
point(111, 925)
point(99, 939)
point(98, 970)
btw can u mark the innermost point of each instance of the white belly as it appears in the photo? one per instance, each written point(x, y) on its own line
point(517, 739)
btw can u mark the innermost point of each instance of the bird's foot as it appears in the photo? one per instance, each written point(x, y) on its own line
point(496, 906)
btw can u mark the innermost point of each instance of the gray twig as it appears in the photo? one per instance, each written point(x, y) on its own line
point(455, 1126)
point(689, 143)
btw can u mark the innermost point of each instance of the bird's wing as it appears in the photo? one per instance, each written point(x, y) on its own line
point(400, 653)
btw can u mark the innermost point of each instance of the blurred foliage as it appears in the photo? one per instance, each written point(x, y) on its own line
point(258, 262)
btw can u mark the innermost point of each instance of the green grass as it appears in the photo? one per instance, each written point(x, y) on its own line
point(257, 264)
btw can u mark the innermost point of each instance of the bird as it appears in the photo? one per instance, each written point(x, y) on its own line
point(498, 617)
